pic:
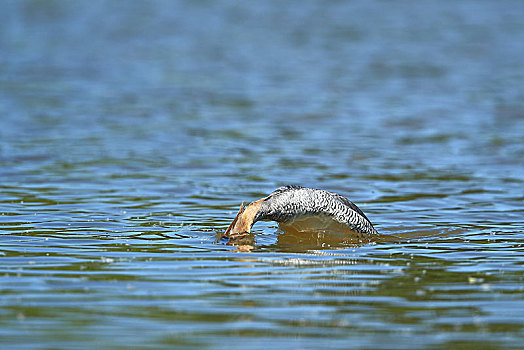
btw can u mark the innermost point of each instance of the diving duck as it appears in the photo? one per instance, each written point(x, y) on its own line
point(302, 209)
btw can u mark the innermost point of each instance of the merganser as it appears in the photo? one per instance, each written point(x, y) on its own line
point(302, 209)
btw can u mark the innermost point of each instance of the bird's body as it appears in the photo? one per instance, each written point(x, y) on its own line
point(304, 209)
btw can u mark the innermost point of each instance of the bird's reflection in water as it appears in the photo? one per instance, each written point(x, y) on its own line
point(295, 241)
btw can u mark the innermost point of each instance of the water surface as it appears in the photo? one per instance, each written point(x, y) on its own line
point(131, 132)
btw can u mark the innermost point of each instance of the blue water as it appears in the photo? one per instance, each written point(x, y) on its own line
point(130, 132)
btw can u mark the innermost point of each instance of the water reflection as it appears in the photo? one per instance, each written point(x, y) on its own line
point(294, 241)
point(287, 239)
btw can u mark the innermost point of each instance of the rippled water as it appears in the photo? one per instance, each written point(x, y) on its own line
point(131, 131)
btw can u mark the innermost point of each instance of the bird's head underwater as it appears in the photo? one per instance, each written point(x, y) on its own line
point(244, 220)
